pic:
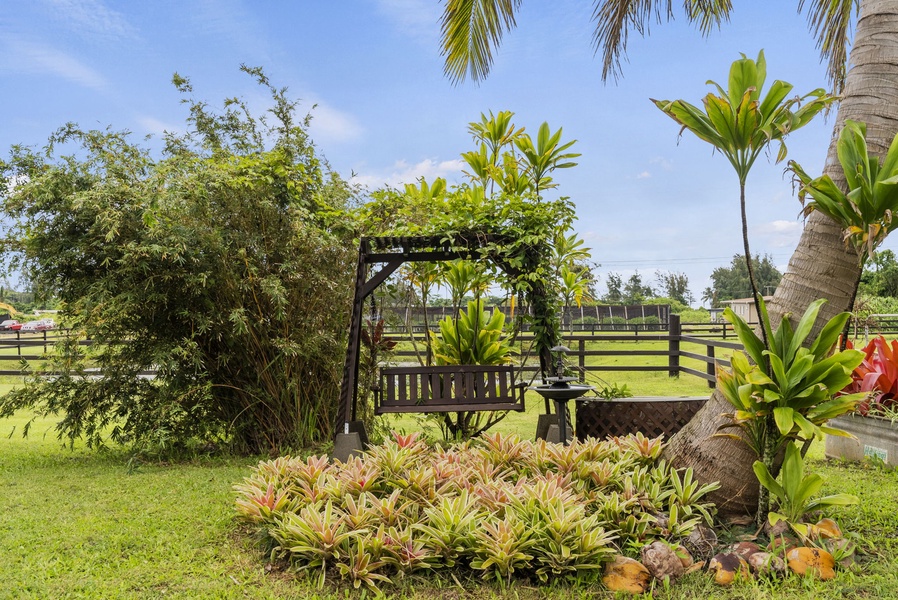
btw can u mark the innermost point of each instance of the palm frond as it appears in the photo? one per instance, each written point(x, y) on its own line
point(470, 30)
point(615, 18)
point(830, 21)
point(708, 13)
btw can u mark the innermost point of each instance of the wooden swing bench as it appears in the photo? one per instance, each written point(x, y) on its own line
point(453, 388)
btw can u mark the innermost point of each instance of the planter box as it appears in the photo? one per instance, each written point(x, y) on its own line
point(650, 415)
point(875, 438)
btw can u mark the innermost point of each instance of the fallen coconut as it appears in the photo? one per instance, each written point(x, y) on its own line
point(701, 542)
point(727, 567)
point(626, 575)
point(743, 549)
point(662, 561)
point(765, 563)
point(827, 528)
point(812, 561)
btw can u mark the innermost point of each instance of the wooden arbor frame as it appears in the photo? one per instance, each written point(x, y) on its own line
point(393, 252)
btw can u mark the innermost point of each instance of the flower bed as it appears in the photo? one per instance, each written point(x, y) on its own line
point(497, 506)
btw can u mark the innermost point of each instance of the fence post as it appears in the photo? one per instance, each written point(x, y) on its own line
point(711, 368)
point(673, 350)
point(581, 359)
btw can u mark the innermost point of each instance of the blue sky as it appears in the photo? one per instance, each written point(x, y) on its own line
point(645, 200)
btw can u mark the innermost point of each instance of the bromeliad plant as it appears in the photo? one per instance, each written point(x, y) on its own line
point(474, 338)
point(497, 506)
point(787, 391)
point(876, 376)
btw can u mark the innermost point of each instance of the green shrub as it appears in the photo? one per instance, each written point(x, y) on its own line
point(226, 265)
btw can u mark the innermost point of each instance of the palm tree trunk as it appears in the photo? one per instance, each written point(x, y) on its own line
point(821, 266)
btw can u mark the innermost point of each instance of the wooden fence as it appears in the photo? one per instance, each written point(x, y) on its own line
point(701, 342)
point(694, 341)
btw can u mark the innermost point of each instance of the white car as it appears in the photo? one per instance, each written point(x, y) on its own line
point(39, 325)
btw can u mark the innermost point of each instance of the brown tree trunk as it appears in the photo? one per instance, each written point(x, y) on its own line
point(821, 266)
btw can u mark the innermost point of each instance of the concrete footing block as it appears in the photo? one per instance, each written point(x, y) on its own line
point(543, 423)
point(554, 434)
point(347, 445)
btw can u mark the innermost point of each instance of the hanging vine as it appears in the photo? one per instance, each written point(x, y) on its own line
point(503, 205)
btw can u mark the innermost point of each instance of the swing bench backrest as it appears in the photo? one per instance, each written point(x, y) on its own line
point(453, 388)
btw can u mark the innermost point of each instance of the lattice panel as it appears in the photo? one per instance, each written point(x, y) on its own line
point(600, 418)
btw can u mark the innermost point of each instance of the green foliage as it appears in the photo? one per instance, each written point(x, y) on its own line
point(675, 285)
point(876, 377)
point(880, 277)
point(738, 122)
point(795, 492)
point(498, 506)
point(474, 338)
point(225, 266)
point(793, 383)
point(612, 390)
point(507, 174)
point(865, 212)
point(730, 283)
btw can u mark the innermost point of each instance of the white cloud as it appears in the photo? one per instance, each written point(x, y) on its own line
point(664, 163)
point(780, 233)
point(644, 175)
point(156, 127)
point(418, 19)
point(91, 19)
point(37, 59)
point(332, 125)
point(402, 172)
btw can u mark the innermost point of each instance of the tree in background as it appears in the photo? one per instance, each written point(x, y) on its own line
point(615, 284)
point(880, 277)
point(225, 267)
point(635, 291)
point(730, 283)
point(675, 285)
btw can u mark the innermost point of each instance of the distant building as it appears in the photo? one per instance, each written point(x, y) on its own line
point(745, 308)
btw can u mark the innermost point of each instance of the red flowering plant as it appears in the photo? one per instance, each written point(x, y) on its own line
point(877, 375)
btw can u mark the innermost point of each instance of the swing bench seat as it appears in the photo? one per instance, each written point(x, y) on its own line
point(444, 389)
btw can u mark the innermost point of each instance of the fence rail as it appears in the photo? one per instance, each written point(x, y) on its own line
point(701, 342)
point(694, 341)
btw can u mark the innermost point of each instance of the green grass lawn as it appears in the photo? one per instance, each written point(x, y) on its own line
point(81, 524)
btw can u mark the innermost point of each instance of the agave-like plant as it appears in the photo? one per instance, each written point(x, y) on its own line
point(795, 384)
point(474, 338)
